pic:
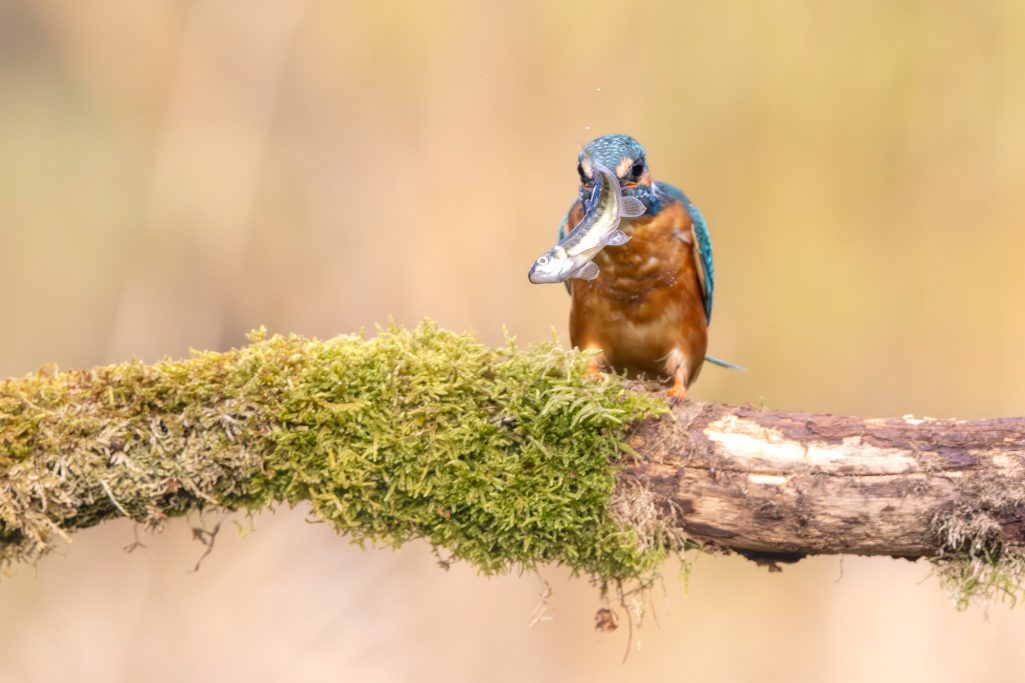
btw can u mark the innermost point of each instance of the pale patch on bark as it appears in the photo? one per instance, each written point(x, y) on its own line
point(746, 439)
point(767, 479)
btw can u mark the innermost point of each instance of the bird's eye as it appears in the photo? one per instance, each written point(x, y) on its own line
point(637, 170)
point(580, 170)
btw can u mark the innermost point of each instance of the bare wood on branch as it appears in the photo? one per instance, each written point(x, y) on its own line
point(787, 484)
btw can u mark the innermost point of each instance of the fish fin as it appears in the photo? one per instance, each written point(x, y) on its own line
point(588, 271)
point(632, 207)
point(618, 238)
point(724, 363)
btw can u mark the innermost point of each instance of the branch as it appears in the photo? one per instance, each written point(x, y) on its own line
point(501, 457)
point(772, 484)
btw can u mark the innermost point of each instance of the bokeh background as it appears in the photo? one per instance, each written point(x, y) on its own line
point(175, 173)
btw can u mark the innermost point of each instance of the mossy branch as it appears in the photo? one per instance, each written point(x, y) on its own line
point(500, 457)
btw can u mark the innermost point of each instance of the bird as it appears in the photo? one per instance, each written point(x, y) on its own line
point(648, 310)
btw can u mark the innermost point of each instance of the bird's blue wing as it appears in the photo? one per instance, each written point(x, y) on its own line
point(702, 244)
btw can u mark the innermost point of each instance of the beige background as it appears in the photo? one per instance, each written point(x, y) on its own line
point(175, 173)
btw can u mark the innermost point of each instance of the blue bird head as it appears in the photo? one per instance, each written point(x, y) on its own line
point(620, 153)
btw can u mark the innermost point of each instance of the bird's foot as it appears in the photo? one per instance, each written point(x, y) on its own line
point(677, 367)
point(594, 368)
point(677, 393)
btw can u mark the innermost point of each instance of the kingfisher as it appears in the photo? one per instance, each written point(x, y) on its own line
point(647, 311)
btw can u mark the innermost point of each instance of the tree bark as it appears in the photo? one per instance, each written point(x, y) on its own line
point(779, 485)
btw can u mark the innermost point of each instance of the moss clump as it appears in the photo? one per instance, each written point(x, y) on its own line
point(501, 457)
point(976, 564)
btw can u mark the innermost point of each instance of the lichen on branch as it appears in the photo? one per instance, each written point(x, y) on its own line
point(499, 457)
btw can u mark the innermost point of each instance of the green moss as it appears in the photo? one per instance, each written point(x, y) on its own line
point(500, 457)
point(976, 565)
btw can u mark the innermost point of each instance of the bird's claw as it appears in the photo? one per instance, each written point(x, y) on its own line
point(594, 370)
point(677, 394)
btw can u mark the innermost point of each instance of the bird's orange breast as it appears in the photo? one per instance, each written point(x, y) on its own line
point(646, 301)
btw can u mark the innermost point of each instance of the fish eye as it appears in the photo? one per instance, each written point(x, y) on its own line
point(543, 261)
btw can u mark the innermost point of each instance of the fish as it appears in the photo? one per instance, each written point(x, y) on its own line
point(572, 256)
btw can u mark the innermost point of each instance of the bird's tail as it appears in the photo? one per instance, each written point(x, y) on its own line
point(724, 363)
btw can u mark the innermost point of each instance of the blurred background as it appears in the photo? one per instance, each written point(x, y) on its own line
point(175, 173)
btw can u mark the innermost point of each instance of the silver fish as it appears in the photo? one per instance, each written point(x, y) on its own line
point(572, 256)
